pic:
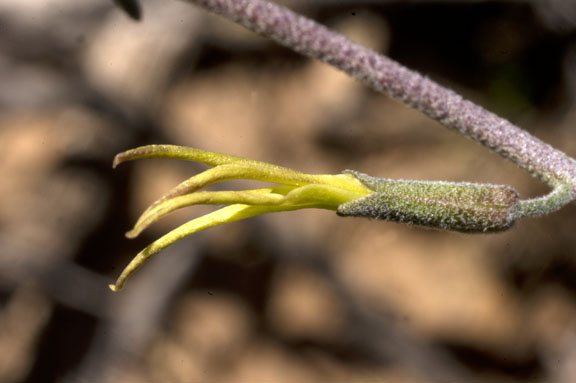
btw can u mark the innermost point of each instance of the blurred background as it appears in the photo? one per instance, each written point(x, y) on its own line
point(304, 296)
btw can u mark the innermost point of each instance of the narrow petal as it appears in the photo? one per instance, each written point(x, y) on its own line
point(175, 152)
point(242, 170)
point(227, 214)
point(267, 196)
point(261, 170)
point(313, 196)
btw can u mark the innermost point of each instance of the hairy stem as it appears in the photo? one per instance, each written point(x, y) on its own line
point(385, 75)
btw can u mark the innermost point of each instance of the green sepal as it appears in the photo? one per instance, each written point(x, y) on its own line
point(457, 206)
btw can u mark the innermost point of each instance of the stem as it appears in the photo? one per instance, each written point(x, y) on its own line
point(385, 75)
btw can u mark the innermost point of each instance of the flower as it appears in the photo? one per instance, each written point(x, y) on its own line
point(299, 191)
point(459, 206)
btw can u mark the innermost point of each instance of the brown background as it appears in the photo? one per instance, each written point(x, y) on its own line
point(296, 297)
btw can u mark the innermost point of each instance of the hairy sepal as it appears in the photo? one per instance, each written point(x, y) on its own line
point(457, 206)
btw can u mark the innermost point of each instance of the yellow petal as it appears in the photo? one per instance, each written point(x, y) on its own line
point(267, 196)
point(227, 214)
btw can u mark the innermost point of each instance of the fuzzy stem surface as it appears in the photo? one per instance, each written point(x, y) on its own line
point(387, 76)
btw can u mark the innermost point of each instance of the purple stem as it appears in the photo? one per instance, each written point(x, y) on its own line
point(385, 75)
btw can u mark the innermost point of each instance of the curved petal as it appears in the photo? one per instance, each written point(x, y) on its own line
point(268, 196)
point(227, 214)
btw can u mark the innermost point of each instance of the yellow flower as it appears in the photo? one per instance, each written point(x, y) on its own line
point(299, 191)
point(459, 206)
